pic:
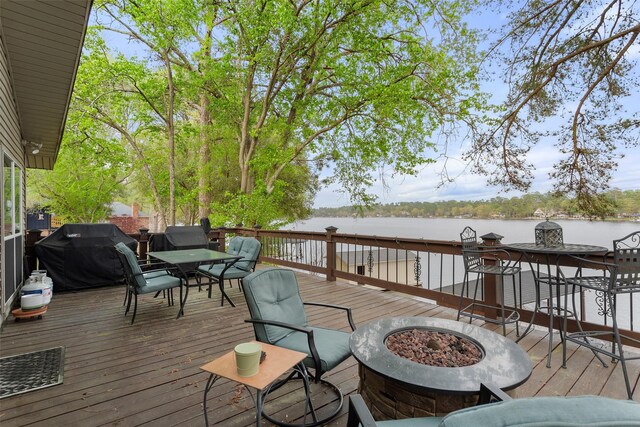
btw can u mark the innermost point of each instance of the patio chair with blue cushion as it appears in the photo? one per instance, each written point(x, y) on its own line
point(278, 317)
point(248, 249)
point(496, 409)
point(139, 282)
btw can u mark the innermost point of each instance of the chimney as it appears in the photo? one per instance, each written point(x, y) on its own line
point(135, 210)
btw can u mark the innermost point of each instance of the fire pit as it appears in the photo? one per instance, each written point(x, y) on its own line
point(395, 386)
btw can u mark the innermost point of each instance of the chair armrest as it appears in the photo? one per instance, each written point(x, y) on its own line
point(359, 414)
point(489, 393)
point(281, 325)
point(582, 261)
point(337, 307)
point(310, 340)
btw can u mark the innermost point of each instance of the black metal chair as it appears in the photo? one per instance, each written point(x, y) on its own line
point(622, 277)
point(473, 255)
point(139, 282)
point(278, 318)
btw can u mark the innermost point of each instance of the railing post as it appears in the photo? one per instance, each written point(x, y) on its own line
point(143, 243)
point(331, 254)
point(221, 238)
point(490, 285)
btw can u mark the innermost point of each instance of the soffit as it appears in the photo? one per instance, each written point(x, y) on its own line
point(43, 40)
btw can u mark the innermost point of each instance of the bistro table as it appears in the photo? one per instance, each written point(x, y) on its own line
point(550, 257)
point(181, 258)
point(277, 362)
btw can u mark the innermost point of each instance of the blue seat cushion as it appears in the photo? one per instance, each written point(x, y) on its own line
point(547, 412)
point(159, 283)
point(154, 273)
point(411, 422)
point(333, 346)
point(216, 269)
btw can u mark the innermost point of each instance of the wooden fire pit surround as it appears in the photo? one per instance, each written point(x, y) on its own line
point(396, 387)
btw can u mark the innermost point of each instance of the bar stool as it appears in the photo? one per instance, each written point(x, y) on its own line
point(622, 277)
point(472, 255)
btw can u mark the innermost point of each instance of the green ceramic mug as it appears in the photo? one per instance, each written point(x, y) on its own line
point(248, 358)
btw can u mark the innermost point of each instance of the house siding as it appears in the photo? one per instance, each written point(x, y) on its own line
point(10, 137)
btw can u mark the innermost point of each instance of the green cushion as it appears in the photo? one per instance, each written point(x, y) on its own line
point(549, 411)
point(132, 260)
point(411, 422)
point(234, 245)
point(159, 283)
point(273, 294)
point(333, 346)
point(216, 269)
point(250, 250)
point(154, 273)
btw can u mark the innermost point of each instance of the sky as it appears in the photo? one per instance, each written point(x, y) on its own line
point(425, 186)
point(466, 186)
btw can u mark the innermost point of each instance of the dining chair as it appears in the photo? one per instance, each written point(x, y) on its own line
point(247, 248)
point(620, 277)
point(474, 263)
point(139, 282)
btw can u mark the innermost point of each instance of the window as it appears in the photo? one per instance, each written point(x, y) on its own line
point(12, 189)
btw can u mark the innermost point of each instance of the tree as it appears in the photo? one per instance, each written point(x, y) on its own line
point(88, 174)
point(350, 87)
point(571, 59)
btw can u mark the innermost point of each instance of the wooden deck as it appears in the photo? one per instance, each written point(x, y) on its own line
point(148, 373)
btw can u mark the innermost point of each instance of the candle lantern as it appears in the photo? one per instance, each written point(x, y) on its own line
point(549, 235)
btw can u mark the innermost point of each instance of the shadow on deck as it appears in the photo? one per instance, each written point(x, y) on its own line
point(148, 372)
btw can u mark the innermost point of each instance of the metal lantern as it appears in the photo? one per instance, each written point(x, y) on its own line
point(549, 235)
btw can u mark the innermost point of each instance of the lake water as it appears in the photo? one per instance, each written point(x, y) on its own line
point(600, 233)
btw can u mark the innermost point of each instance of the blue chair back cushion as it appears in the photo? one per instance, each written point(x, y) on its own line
point(273, 294)
point(132, 260)
point(234, 245)
point(547, 412)
point(250, 250)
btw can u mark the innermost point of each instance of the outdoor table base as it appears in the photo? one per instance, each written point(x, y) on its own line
point(551, 257)
point(277, 362)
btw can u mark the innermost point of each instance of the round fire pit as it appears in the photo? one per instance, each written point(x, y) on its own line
point(395, 386)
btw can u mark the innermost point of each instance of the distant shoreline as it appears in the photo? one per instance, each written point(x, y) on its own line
point(551, 218)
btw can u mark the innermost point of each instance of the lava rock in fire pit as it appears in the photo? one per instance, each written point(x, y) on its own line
point(434, 348)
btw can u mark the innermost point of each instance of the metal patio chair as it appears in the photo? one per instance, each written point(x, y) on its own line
point(504, 266)
point(622, 277)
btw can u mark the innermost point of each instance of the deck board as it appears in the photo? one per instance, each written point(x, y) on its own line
point(148, 373)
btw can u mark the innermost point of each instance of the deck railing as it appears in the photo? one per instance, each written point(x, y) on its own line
point(430, 269)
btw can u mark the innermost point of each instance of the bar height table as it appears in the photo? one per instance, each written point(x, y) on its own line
point(551, 258)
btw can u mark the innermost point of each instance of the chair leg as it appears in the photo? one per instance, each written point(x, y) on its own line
point(515, 302)
point(475, 297)
point(135, 308)
point(129, 292)
point(618, 342)
point(504, 320)
point(465, 284)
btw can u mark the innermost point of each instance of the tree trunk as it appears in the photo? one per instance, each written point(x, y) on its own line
point(204, 192)
point(171, 141)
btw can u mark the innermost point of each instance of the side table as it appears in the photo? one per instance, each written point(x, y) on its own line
point(277, 362)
